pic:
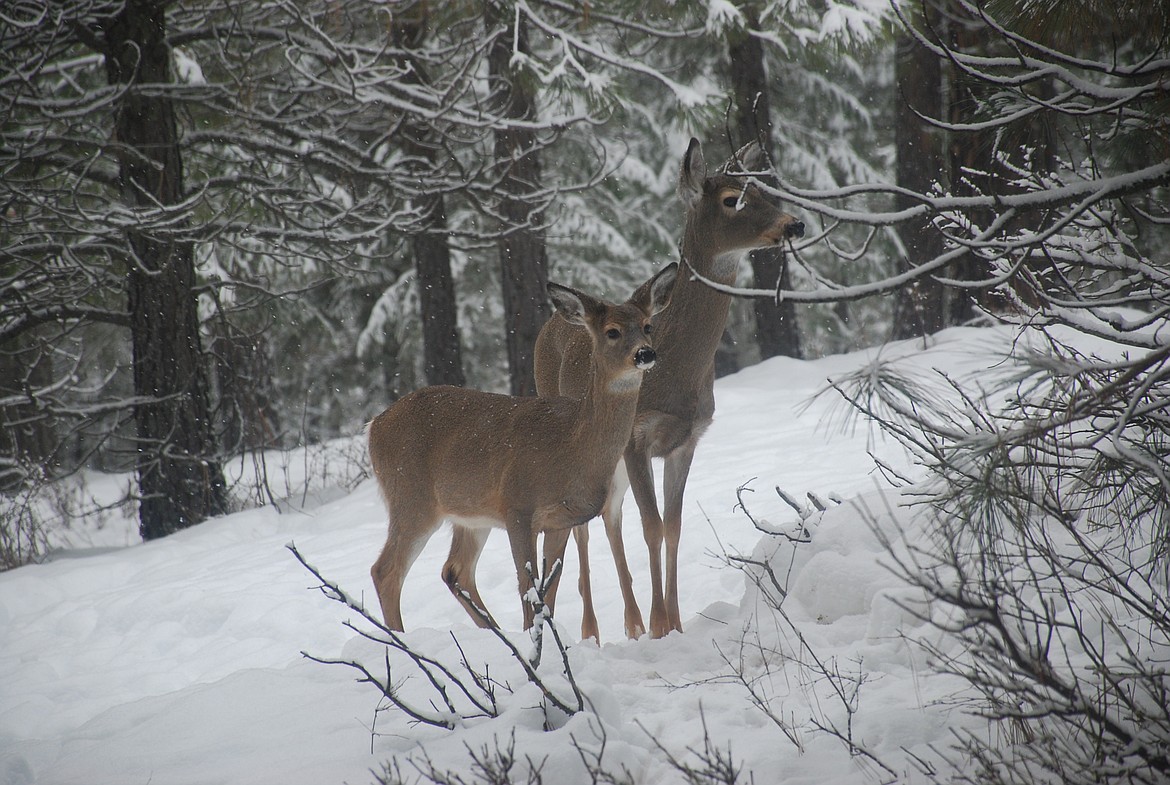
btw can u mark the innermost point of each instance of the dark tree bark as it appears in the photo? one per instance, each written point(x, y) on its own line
point(777, 333)
point(964, 163)
point(523, 255)
point(971, 155)
point(976, 168)
point(442, 358)
point(180, 481)
point(921, 160)
point(438, 308)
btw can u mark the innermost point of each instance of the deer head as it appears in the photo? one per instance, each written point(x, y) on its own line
point(727, 214)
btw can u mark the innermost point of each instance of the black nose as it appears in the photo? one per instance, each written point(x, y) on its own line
point(644, 358)
point(795, 229)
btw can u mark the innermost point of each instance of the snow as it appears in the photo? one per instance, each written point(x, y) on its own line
point(723, 15)
point(187, 69)
point(180, 660)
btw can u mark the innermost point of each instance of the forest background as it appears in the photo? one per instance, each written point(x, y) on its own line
point(231, 228)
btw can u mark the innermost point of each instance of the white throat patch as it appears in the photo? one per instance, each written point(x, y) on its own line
point(725, 266)
point(626, 382)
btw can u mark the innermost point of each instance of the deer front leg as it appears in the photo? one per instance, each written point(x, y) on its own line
point(612, 515)
point(555, 543)
point(584, 585)
point(674, 482)
point(522, 538)
point(641, 475)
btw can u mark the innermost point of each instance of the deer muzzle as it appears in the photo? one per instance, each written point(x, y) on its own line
point(645, 358)
point(794, 229)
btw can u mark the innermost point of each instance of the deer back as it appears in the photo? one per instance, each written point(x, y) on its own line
point(464, 450)
point(485, 456)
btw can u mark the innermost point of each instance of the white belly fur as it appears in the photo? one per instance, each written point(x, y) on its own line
point(476, 522)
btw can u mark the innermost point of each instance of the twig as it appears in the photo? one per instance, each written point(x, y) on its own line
point(438, 675)
point(527, 663)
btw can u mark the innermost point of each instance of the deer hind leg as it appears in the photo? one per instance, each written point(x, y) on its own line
point(674, 482)
point(612, 515)
point(641, 475)
point(459, 570)
point(409, 532)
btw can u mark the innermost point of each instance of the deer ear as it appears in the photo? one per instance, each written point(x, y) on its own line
point(654, 295)
point(692, 174)
point(749, 158)
point(571, 304)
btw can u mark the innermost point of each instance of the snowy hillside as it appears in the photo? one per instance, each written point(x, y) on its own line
point(179, 661)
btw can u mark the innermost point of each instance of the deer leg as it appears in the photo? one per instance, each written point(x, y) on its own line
point(409, 532)
point(523, 541)
point(584, 587)
point(459, 571)
point(641, 475)
point(555, 542)
point(674, 482)
point(612, 515)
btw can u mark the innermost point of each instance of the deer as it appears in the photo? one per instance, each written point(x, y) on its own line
point(727, 216)
point(528, 465)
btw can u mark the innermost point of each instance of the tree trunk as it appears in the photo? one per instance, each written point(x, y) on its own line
point(920, 308)
point(976, 167)
point(438, 308)
point(776, 329)
point(523, 255)
point(971, 155)
point(442, 359)
point(180, 482)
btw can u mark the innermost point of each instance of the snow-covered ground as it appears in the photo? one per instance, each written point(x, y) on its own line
point(180, 660)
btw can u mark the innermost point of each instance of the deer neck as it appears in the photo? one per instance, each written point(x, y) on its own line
point(699, 257)
point(606, 415)
point(688, 332)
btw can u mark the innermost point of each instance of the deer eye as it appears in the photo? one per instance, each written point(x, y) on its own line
point(648, 329)
point(730, 201)
point(613, 333)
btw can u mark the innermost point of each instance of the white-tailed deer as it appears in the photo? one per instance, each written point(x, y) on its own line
point(526, 465)
point(726, 217)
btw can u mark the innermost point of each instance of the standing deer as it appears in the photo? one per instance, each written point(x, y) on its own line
point(726, 217)
point(526, 465)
